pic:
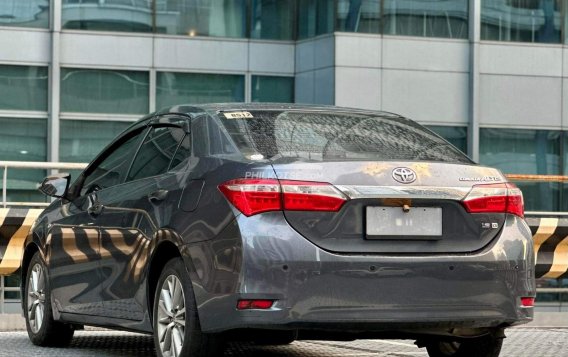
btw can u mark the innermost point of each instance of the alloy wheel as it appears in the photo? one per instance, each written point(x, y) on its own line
point(171, 317)
point(36, 298)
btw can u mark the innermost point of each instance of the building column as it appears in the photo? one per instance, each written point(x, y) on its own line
point(54, 90)
point(153, 89)
point(248, 87)
point(474, 38)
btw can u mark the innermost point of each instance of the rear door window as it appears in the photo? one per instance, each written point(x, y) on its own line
point(158, 151)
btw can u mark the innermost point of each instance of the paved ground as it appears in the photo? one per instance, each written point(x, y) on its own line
point(521, 342)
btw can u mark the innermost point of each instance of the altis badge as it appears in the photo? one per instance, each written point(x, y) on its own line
point(481, 179)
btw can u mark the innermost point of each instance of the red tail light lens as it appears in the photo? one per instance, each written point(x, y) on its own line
point(311, 196)
point(254, 304)
point(252, 196)
point(495, 198)
point(527, 302)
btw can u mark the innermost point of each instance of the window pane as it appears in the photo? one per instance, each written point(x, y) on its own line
point(109, 15)
point(525, 152)
point(23, 140)
point(272, 89)
point(564, 192)
point(155, 154)
point(315, 17)
point(23, 88)
point(331, 136)
point(104, 91)
point(456, 135)
point(183, 152)
point(112, 170)
point(180, 88)
point(82, 140)
point(521, 20)
point(30, 194)
point(359, 16)
point(12, 281)
point(201, 18)
point(553, 301)
point(14, 295)
point(273, 19)
point(24, 13)
point(437, 18)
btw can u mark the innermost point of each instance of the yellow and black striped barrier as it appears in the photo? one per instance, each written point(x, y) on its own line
point(550, 236)
point(15, 224)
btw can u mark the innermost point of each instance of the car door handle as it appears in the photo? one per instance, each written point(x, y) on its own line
point(158, 196)
point(95, 210)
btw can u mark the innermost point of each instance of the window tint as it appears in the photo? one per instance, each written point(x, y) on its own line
point(112, 170)
point(219, 143)
point(330, 136)
point(156, 153)
point(183, 151)
point(200, 136)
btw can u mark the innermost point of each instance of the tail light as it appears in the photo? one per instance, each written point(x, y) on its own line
point(253, 196)
point(254, 304)
point(527, 302)
point(311, 196)
point(495, 198)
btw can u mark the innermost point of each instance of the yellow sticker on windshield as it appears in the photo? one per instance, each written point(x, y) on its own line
point(238, 115)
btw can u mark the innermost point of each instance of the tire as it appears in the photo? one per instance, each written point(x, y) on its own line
point(42, 329)
point(485, 346)
point(174, 307)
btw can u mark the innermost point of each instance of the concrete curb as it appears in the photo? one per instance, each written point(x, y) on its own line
point(12, 322)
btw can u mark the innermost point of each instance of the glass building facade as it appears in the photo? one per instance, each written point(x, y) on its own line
point(91, 100)
point(104, 91)
point(518, 151)
point(29, 13)
point(540, 21)
point(176, 88)
point(522, 20)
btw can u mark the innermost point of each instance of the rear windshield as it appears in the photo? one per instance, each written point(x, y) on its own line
point(334, 136)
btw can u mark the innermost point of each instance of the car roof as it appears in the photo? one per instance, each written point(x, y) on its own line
point(232, 107)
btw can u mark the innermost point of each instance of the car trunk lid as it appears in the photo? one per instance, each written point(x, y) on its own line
point(382, 214)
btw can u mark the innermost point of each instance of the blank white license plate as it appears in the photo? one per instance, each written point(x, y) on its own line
point(393, 221)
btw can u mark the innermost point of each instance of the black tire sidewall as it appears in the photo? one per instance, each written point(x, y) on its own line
point(192, 331)
point(41, 335)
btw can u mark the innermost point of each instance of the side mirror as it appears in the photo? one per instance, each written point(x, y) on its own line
point(56, 185)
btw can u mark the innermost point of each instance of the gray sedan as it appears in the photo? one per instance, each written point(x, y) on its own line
point(273, 223)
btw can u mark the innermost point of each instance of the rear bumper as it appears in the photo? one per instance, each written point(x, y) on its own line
point(318, 290)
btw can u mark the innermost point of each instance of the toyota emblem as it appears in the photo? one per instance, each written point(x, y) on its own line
point(404, 175)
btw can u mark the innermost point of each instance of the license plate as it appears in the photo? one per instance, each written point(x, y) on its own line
point(393, 221)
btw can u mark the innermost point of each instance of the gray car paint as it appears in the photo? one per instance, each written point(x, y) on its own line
point(230, 256)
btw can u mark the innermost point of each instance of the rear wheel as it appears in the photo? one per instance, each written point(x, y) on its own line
point(485, 346)
point(42, 329)
point(177, 332)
